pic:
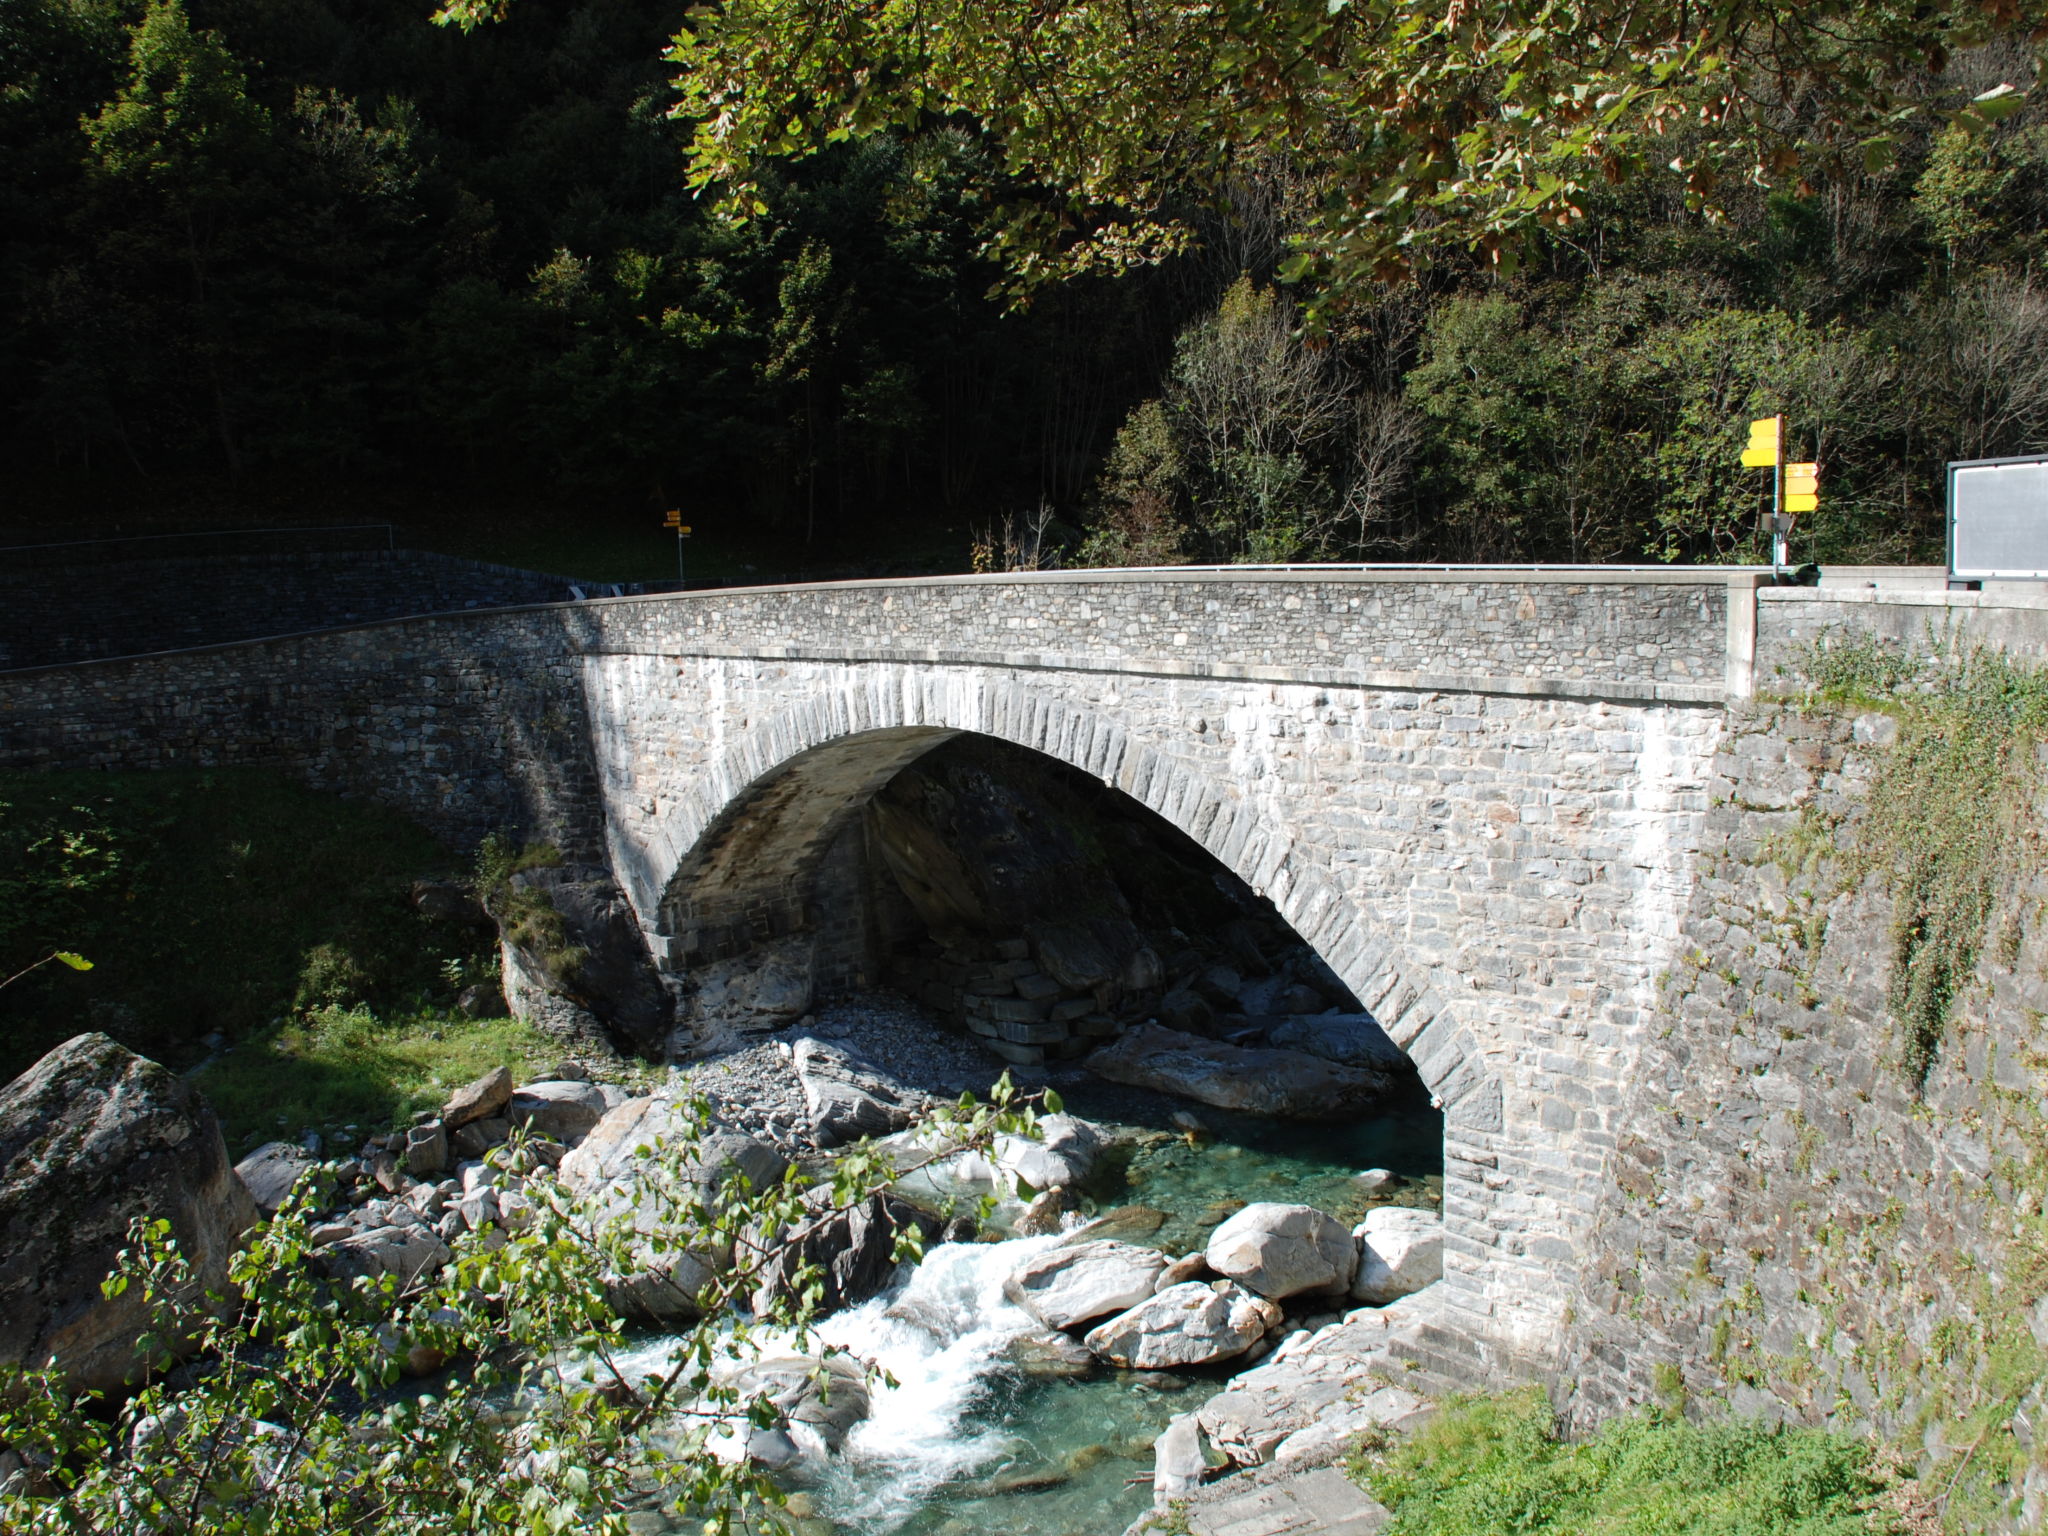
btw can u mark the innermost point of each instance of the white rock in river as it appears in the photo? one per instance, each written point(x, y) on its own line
point(1188, 1324)
point(562, 1110)
point(1284, 1250)
point(1401, 1250)
point(1067, 1286)
point(1062, 1154)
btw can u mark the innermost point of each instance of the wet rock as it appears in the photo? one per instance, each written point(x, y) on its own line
point(1124, 1223)
point(1190, 1324)
point(854, 1250)
point(1401, 1250)
point(93, 1137)
point(817, 1400)
point(1290, 1084)
point(1063, 1153)
point(1354, 1039)
point(1073, 1284)
point(270, 1172)
point(1284, 1250)
point(1376, 1179)
point(849, 1098)
point(563, 1111)
point(479, 1100)
point(1050, 1354)
point(1041, 1217)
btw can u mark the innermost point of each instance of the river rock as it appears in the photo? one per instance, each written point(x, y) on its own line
point(1069, 1285)
point(93, 1137)
point(1334, 1376)
point(1189, 1266)
point(1289, 1084)
point(426, 1151)
point(270, 1172)
point(479, 1100)
point(849, 1098)
point(818, 1400)
point(1122, 1223)
point(1190, 1324)
point(1049, 1353)
point(855, 1249)
point(1064, 1153)
point(1400, 1250)
point(562, 1110)
point(610, 1152)
point(407, 1250)
point(1178, 1462)
point(1284, 1250)
point(1355, 1039)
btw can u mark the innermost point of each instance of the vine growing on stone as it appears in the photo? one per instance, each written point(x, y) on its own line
point(1950, 809)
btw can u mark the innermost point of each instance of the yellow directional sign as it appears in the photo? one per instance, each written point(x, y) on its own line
point(1763, 448)
point(1802, 487)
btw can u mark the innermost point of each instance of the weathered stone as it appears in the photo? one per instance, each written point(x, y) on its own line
point(1041, 1218)
point(426, 1151)
point(1069, 1285)
point(1049, 1354)
point(849, 1098)
point(1284, 1250)
point(1123, 1223)
point(1284, 1503)
point(817, 1400)
point(1400, 1251)
point(271, 1171)
point(1062, 1154)
point(479, 1136)
point(853, 1249)
point(480, 1100)
point(408, 1252)
point(1178, 1465)
point(1189, 1266)
point(591, 956)
point(1189, 1324)
point(561, 1111)
point(1266, 1082)
point(93, 1138)
point(1355, 1039)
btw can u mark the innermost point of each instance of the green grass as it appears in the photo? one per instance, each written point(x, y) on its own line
point(211, 901)
point(339, 1067)
point(1492, 1466)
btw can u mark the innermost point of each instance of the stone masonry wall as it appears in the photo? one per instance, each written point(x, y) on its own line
point(1790, 1229)
point(55, 614)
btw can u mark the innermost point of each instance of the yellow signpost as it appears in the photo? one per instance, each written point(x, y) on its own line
point(673, 518)
point(1795, 488)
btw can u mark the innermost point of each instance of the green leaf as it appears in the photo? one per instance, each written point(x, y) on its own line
point(1998, 103)
point(1054, 1104)
point(76, 962)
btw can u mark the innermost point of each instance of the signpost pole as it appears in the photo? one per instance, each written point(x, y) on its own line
point(1778, 540)
point(673, 518)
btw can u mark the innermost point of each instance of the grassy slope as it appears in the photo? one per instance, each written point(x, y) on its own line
point(1489, 1466)
point(240, 903)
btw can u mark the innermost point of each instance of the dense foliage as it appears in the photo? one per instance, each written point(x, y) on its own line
point(320, 255)
point(1489, 1466)
point(219, 901)
point(296, 1418)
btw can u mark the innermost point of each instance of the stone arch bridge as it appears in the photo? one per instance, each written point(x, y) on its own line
point(1477, 793)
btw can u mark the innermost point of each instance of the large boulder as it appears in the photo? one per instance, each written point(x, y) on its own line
point(854, 1250)
point(1065, 1287)
point(815, 1401)
point(1290, 1084)
point(484, 1099)
point(849, 1097)
point(575, 960)
point(1190, 1324)
point(93, 1138)
point(1284, 1250)
point(1400, 1250)
point(272, 1171)
point(663, 1287)
point(1355, 1039)
point(562, 1111)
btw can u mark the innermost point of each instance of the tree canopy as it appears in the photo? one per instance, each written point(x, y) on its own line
point(1401, 126)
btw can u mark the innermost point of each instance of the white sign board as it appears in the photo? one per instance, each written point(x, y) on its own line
point(1998, 520)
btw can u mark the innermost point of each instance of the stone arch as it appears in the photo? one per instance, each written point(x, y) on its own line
point(751, 830)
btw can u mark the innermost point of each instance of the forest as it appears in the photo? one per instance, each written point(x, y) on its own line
point(284, 260)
